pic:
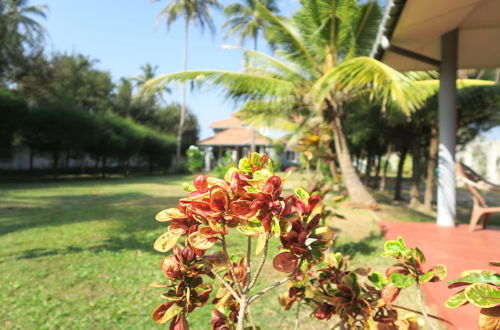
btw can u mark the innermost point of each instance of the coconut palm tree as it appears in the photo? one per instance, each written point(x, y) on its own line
point(19, 30)
point(198, 13)
point(318, 69)
point(245, 21)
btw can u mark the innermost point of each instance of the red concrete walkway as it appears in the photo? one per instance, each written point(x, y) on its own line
point(456, 248)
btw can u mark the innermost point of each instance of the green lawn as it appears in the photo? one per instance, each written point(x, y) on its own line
point(77, 254)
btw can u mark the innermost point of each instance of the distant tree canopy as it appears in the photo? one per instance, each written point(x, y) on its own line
point(13, 109)
point(65, 106)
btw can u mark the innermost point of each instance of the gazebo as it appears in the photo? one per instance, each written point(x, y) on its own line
point(232, 135)
point(446, 35)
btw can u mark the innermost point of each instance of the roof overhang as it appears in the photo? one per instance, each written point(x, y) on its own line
point(410, 37)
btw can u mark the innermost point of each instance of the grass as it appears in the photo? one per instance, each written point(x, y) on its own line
point(77, 254)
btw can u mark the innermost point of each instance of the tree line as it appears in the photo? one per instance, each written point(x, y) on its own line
point(64, 107)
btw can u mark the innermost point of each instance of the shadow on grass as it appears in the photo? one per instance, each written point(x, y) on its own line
point(371, 245)
point(133, 211)
point(113, 244)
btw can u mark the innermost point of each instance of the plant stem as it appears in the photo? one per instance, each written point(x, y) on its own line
point(274, 285)
point(419, 312)
point(261, 264)
point(422, 308)
point(221, 280)
point(241, 312)
point(297, 316)
point(250, 318)
point(249, 266)
point(230, 264)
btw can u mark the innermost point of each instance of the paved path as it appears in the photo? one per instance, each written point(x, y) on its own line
point(459, 250)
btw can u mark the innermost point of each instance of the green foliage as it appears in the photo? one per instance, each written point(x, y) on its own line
point(158, 148)
point(13, 110)
point(21, 35)
point(409, 267)
point(225, 164)
point(194, 159)
point(58, 128)
point(482, 288)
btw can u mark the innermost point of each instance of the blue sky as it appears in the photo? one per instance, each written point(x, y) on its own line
point(123, 35)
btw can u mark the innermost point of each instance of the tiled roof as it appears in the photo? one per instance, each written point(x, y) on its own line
point(240, 136)
point(227, 123)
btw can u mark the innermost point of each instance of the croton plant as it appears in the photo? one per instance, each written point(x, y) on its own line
point(250, 202)
point(482, 289)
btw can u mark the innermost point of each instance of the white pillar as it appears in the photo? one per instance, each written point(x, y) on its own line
point(491, 162)
point(208, 159)
point(446, 195)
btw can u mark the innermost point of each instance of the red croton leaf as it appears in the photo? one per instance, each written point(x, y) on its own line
point(219, 199)
point(179, 323)
point(200, 182)
point(390, 292)
point(171, 267)
point(324, 312)
point(285, 262)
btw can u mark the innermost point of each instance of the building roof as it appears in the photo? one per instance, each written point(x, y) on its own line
point(238, 136)
point(410, 37)
point(227, 123)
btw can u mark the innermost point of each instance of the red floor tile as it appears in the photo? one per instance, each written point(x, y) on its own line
point(459, 250)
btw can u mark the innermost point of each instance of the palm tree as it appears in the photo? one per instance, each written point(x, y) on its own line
point(193, 11)
point(20, 22)
point(319, 68)
point(149, 72)
point(244, 19)
point(19, 29)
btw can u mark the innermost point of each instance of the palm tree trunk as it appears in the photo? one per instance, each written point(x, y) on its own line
point(357, 191)
point(386, 164)
point(431, 165)
point(180, 130)
point(399, 177)
point(415, 177)
point(377, 169)
point(333, 170)
point(368, 169)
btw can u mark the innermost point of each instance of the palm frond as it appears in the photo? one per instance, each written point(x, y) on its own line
point(368, 75)
point(239, 86)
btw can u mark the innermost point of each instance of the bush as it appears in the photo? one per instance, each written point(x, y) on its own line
point(158, 148)
point(13, 110)
point(225, 163)
point(194, 159)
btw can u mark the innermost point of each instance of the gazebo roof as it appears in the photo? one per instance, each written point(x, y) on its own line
point(238, 136)
point(415, 27)
point(227, 123)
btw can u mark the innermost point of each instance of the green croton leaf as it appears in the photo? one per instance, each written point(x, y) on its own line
point(479, 276)
point(244, 166)
point(438, 273)
point(457, 300)
point(261, 243)
point(483, 295)
point(402, 281)
point(378, 280)
point(394, 248)
point(301, 193)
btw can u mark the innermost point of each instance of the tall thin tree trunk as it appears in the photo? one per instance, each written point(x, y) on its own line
point(377, 169)
point(368, 169)
point(357, 191)
point(32, 156)
point(431, 165)
point(56, 164)
point(184, 96)
point(103, 173)
point(333, 170)
point(399, 177)
point(415, 177)
point(386, 164)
